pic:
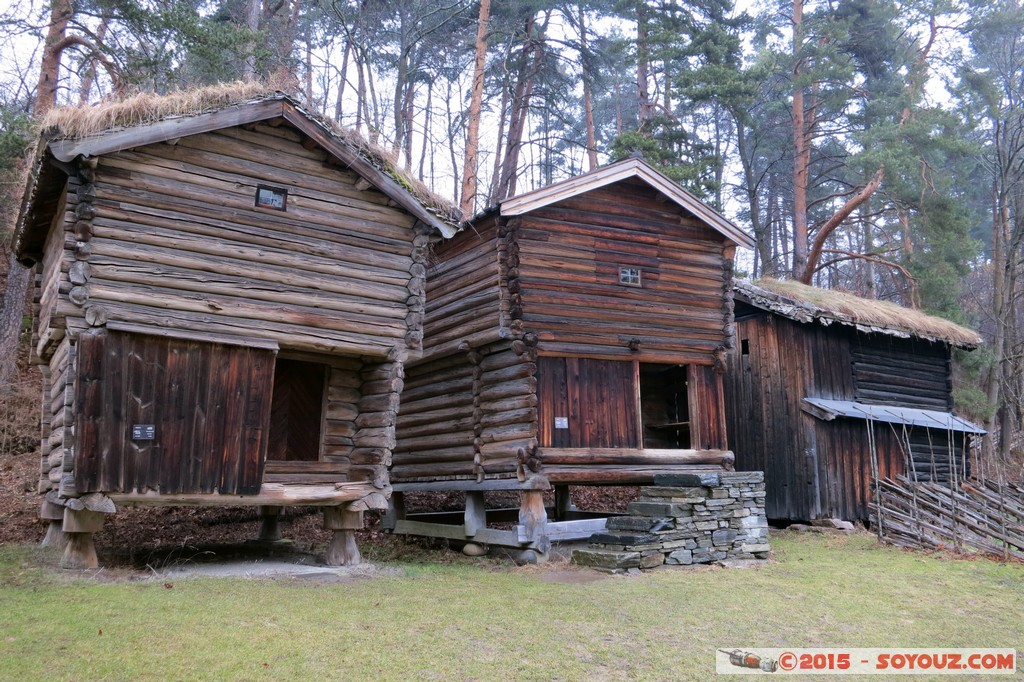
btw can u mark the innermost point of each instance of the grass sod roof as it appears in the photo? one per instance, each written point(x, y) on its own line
point(79, 122)
point(804, 303)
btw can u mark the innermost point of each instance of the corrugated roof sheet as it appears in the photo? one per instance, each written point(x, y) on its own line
point(911, 416)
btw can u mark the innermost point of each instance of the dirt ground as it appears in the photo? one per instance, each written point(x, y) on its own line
point(164, 535)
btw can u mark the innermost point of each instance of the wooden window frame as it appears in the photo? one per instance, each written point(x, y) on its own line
point(630, 276)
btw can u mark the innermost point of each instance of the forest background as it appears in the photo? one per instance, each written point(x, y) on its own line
point(875, 146)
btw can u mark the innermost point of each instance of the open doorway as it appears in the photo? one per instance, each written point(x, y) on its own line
point(296, 411)
point(665, 406)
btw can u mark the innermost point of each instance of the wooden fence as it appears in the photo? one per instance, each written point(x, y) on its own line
point(975, 516)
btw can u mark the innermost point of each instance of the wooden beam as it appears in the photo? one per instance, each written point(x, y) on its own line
point(271, 494)
point(580, 529)
point(488, 536)
point(531, 483)
point(631, 456)
point(167, 129)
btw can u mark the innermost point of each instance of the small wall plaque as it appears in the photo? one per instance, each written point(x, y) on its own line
point(143, 431)
point(561, 422)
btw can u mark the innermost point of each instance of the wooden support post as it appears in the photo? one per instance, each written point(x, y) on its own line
point(270, 527)
point(53, 515)
point(395, 512)
point(79, 526)
point(563, 503)
point(476, 513)
point(533, 517)
point(342, 550)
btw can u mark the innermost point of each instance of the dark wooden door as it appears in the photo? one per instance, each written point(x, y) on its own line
point(171, 415)
point(588, 403)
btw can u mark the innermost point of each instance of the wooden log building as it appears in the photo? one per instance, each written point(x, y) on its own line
point(225, 300)
point(828, 391)
point(574, 336)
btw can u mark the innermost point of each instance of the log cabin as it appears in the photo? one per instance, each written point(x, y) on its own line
point(226, 295)
point(574, 336)
point(828, 392)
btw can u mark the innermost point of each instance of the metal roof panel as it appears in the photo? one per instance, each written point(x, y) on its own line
point(911, 416)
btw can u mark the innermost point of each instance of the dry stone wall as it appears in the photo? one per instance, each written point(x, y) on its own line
point(685, 519)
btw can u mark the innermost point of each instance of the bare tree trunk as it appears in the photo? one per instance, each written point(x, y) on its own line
point(360, 90)
point(1009, 406)
point(49, 67)
point(492, 194)
point(475, 103)
point(805, 260)
point(762, 239)
point(427, 122)
point(408, 118)
point(253, 10)
point(642, 65)
point(908, 243)
point(618, 108)
point(18, 276)
point(450, 123)
point(994, 380)
point(287, 68)
point(516, 126)
point(339, 102)
point(373, 112)
point(588, 100)
point(309, 68)
point(801, 151)
point(92, 63)
point(398, 102)
point(870, 290)
point(521, 106)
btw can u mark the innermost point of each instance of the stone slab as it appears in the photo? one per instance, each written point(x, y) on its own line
point(657, 509)
point(598, 558)
point(631, 523)
point(688, 480)
point(623, 538)
point(737, 477)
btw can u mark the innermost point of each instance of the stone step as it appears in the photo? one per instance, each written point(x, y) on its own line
point(632, 523)
point(623, 539)
point(606, 559)
point(640, 524)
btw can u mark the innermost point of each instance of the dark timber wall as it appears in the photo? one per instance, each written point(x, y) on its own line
point(208, 403)
point(815, 468)
point(263, 345)
point(569, 258)
point(534, 349)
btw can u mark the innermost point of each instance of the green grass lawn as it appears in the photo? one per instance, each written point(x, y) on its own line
point(459, 621)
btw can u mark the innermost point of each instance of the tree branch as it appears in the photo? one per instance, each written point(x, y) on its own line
point(915, 300)
point(94, 51)
point(836, 220)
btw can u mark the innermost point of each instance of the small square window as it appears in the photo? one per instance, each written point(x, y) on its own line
point(271, 197)
point(629, 276)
